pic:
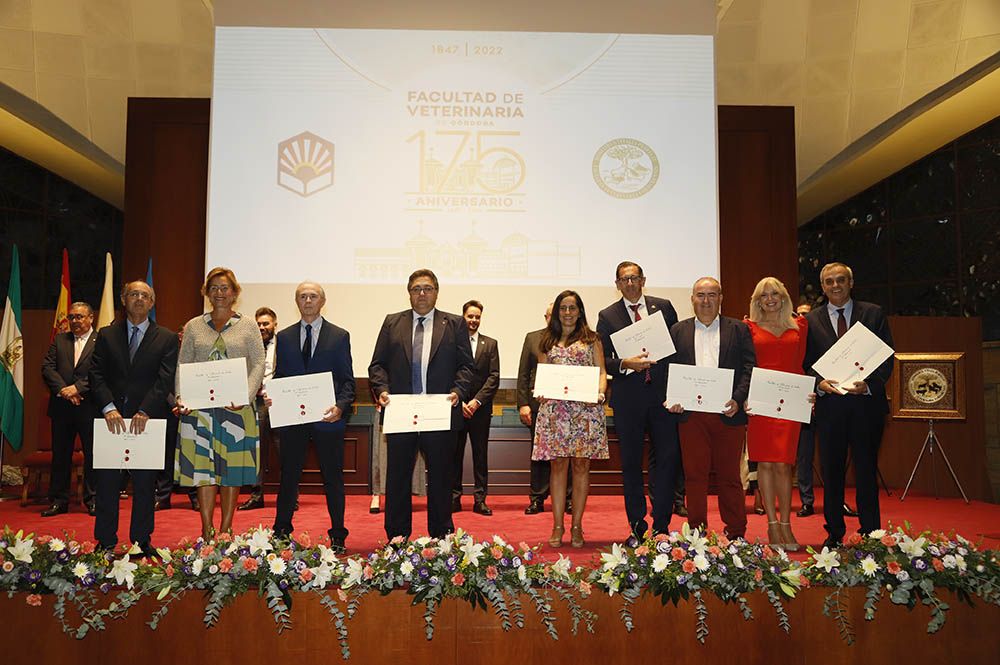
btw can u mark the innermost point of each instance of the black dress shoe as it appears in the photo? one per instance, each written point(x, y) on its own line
point(481, 508)
point(162, 504)
point(638, 530)
point(831, 543)
point(456, 505)
point(195, 504)
point(849, 512)
point(253, 503)
point(148, 551)
point(569, 507)
point(92, 509)
point(680, 510)
point(535, 506)
point(338, 545)
point(55, 509)
point(806, 510)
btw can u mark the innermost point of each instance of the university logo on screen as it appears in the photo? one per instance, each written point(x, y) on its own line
point(305, 164)
point(625, 168)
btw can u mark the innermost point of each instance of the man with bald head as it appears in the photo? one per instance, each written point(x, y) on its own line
point(709, 441)
point(313, 345)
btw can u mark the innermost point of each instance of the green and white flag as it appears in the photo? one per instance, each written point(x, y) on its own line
point(12, 361)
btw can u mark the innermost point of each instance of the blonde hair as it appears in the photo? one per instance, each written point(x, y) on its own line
point(785, 316)
point(221, 272)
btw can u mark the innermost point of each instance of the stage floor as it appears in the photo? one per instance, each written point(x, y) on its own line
point(604, 522)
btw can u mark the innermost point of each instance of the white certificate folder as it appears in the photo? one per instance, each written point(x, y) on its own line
point(214, 383)
point(781, 395)
point(130, 451)
point(297, 400)
point(854, 357)
point(705, 389)
point(417, 413)
point(574, 383)
point(648, 335)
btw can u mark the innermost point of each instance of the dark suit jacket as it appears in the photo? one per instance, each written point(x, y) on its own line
point(140, 385)
point(450, 367)
point(332, 354)
point(486, 371)
point(58, 371)
point(822, 336)
point(526, 370)
point(735, 352)
point(612, 319)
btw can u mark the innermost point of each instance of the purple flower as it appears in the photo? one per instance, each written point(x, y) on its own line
point(682, 579)
point(632, 542)
point(633, 576)
point(643, 560)
point(105, 588)
point(315, 556)
point(282, 584)
point(300, 565)
point(663, 547)
point(62, 556)
point(723, 569)
point(88, 580)
point(34, 576)
point(434, 580)
point(528, 556)
point(859, 555)
point(516, 561)
point(505, 562)
point(919, 564)
point(424, 573)
point(187, 570)
point(415, 559)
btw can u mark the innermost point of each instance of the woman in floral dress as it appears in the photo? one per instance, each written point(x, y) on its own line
point(568, 432)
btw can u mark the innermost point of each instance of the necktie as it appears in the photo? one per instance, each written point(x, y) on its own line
point(416, 362)
point(638, 317)
point(307, 347)
point(133, 343)
point(841, 323)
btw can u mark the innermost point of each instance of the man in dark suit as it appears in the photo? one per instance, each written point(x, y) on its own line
point(527, 407)
point(711, 442)
point(847, 421)
point(65, 371)
point(477, 412)
point(421, 350)
point(131, 374)
point(638, 391)
point(267, 323)
point(311, 346)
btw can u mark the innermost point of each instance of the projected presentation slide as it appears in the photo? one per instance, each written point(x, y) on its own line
point(496, 158)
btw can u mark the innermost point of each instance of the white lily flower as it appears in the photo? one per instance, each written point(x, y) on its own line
point(826, 559)
point(260, 541)
point(472, 550)
point(562, 566)
point(135, 549)
point(960, 562)
point(522, 573)
point(164, 553)
point(81, 570)
point(355, 573)
point(497, 540)
point(123, 571)
point(697, 542)
point(737, 561)
point(911, 547)
point(869, 566)
point(21, 549)
point(615, 557)
point(445, 546)
point(326, 555)
point(660, 563)
point(422, 540)
point(322, 574)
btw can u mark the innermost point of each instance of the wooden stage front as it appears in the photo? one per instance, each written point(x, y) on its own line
point(388, 629)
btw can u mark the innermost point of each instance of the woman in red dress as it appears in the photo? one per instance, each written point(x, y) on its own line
point(779, 338)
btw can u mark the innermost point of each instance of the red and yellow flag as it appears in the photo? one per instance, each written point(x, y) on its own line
point(61, 323)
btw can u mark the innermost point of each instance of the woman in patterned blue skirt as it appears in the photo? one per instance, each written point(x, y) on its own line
point(218, 447)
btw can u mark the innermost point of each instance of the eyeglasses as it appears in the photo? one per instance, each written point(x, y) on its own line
point(76, 317)
point(219, 288)
point(139, 295)
point(419, 290)
point(631, 279)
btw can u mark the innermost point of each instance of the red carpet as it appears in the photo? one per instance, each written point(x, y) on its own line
point(604, 522)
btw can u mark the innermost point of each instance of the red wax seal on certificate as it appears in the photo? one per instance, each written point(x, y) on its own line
point(414, 422)
point(126, 458)
point(862, 368)
point(699, 396)
point(781, 401)
point(302, 413)
point(211, 399)
point(779, 408)
point(302, 406)
point(857, 364)
point(643, 349)
point(126, 451)
point(211, 391)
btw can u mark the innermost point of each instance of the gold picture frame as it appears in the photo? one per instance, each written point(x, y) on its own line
point(928, 386)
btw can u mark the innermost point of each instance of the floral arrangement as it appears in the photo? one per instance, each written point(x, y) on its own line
point(102, 585)
point(689, 564)
point(908, 567)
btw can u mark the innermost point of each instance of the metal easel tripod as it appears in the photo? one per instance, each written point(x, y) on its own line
point(930, 441)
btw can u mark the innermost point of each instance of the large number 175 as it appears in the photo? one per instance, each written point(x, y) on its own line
point(497, 169)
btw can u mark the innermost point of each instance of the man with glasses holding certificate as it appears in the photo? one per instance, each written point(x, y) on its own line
point(712, 440)
point(421, 351)
point(855, 418)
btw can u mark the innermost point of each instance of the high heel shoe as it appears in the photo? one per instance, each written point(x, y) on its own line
point(790, 543)
point(774, 535)
point(577, 537)
point(555, 540)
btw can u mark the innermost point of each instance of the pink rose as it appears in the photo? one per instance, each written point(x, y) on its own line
point(303, 539)
point(491, 572)
point(458, 579)
point(689, 566)
point(585, 588)
point(306, 575)
point(250, 564)
point(642, 550)
point(286, 554)
point(893, 567)
point(169, 571)
point(677, 554)
point(87, 547)
point(34, 599)
point(226, 565)
point(853, 539)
